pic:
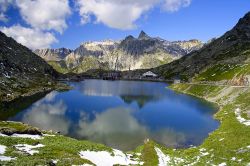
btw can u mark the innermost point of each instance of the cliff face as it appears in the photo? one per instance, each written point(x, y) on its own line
point(94, 50)
point(148, 45)
point(53, 54)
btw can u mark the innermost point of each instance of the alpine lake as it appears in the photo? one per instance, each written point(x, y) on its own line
point(119, 114)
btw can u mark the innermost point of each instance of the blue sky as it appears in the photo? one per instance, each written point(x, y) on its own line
point(77, 21)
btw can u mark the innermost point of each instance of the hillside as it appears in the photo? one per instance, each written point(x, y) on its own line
point(129, 53)
point(224, 59)
point(21, 71)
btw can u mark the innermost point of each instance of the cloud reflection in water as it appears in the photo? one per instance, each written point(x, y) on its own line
point(48, 115)
point(118, 128)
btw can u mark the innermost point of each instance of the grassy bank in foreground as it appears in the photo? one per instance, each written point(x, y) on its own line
point(228, 145)
point(58, 148)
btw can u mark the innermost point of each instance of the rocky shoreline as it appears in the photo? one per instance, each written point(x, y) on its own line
point(34, 91)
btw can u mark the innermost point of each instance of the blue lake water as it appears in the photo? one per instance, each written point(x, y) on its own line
point(122, 114)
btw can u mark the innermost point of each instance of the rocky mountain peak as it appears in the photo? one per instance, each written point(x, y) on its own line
point(143, 35)
point(241, 30)
point(245, 20)
point(130, 37)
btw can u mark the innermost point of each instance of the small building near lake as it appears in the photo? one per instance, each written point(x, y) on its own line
point(177, 81)
point(150, 74)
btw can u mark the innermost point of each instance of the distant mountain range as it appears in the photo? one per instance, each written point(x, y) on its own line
point(128, 54)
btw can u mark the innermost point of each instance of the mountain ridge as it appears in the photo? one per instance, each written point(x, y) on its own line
point(143, 35)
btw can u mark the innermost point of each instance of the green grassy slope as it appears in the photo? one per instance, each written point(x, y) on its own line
point(88, 63)
point(60, 66)
point(221, 72)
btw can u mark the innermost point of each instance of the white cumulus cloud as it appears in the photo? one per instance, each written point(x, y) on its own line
point(45, 14)
point(175, 5)
point(120, 14)
point(4, 5)
point(29, 37)
point(123, 14)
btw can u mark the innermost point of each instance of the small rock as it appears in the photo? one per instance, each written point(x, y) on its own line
point(51, 163)
point(8, 131)
point(31, 131)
